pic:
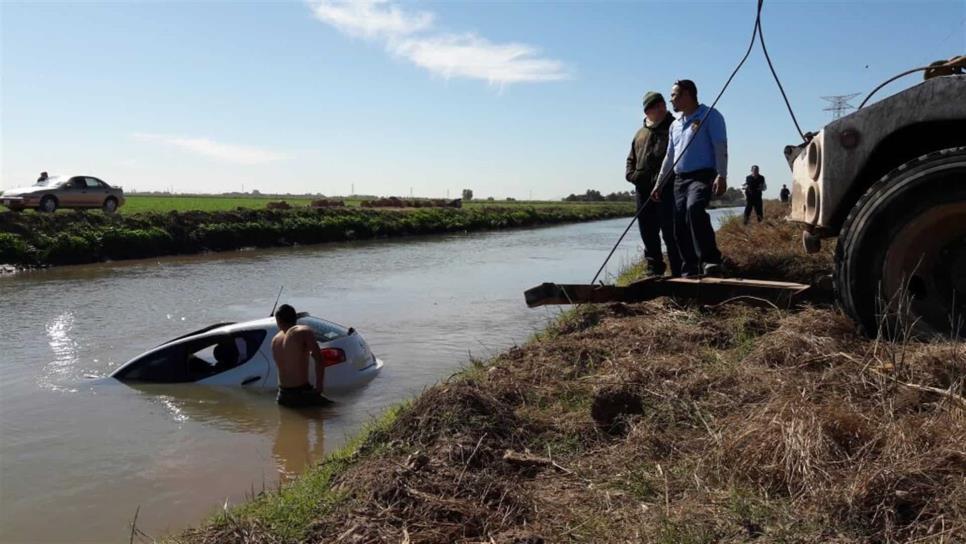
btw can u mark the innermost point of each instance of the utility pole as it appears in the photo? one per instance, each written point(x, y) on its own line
point(353, 190)
point(839, 104)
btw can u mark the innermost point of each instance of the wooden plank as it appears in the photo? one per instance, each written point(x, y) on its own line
point(705, 290)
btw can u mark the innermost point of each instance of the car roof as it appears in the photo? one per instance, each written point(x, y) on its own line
point(218, 329)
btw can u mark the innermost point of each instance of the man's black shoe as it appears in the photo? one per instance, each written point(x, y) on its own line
point(712, 269)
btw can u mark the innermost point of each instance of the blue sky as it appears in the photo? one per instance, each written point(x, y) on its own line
point(506, 98)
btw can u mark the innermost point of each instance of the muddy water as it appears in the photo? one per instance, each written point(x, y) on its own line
point(79, 454)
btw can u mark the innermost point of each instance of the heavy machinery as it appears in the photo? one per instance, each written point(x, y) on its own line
point(889, 180)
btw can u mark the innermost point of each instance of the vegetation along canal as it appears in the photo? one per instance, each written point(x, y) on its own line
point(80, 454)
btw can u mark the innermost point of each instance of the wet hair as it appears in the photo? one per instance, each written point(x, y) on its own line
point(285, 315)
point(688, 85)
point(754, 167)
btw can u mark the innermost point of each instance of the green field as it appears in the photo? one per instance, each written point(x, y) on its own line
point(214, 203)
point(139, 203)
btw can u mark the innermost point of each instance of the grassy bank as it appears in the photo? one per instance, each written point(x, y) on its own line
point(81, 237)
point(660, 423)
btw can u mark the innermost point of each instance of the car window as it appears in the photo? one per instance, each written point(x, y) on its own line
point(94, 183)
point(195, 359)
point(166, 365)
point(223, 353)
point(75, 183)
point(325, 331)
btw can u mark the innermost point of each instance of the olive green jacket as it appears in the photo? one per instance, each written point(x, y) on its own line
point(647, 153)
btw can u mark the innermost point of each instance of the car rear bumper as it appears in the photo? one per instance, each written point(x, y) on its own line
point(13, 202)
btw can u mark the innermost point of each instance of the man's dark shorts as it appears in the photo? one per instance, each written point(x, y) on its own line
point(301, 397)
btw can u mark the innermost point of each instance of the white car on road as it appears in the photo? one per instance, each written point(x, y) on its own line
point(240, 354)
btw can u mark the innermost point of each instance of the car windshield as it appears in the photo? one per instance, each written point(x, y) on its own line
point(49, 182)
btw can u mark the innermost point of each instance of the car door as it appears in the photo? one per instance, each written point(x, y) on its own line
point(97, 192)
point(69, 195)
point(236, 360)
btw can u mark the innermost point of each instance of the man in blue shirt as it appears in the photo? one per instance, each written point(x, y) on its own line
point(700, 172)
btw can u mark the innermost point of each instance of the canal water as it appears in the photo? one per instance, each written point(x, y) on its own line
point(80, 453)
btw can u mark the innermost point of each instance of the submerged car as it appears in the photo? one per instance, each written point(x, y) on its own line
point(47, 195)
point(240, 354)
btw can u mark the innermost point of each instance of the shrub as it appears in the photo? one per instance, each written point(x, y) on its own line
point(13, 249)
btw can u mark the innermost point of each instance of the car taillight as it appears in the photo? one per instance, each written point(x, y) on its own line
point(333, 356)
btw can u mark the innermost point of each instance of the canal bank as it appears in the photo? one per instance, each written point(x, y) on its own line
point(76, 237)
point(656, 422)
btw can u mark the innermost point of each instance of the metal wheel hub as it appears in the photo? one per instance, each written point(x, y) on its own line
point(926, 265)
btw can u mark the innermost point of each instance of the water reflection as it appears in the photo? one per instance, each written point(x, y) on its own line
point(299, 440)
point(299, 435)
point(65, 353)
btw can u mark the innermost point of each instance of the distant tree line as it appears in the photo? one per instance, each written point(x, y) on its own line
point(595, 196)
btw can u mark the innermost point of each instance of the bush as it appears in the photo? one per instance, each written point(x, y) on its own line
point(13, 249)
point(135, 243)
point(69, 249)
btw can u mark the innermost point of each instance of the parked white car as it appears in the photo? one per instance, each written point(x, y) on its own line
point(240, 354)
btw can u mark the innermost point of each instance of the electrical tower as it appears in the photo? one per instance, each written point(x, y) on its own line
point(839, 105)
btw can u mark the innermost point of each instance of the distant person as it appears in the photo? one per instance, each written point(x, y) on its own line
point(700, 173)
point(754, 187)
point(784, 194)
point(43, 177)
point(643, 165)
point(291, 348)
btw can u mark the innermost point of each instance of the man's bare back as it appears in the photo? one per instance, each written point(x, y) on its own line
point(291, 350)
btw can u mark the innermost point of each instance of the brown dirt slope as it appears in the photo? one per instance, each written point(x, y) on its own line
point(660, 423)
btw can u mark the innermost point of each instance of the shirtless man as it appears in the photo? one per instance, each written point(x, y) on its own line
point(291, 348)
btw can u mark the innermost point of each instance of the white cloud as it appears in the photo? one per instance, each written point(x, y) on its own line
point(238, 154)
point(473, 57)
point(464, 55)
point(371, 18)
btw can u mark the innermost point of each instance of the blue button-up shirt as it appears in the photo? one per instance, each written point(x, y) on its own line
point(708, 150)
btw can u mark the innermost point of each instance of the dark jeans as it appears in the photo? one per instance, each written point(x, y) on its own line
point(753, 202)
point(656, 222)
point(301, 397)
point(692, 224)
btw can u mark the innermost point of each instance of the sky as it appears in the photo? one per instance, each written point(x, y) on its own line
point(509, 99)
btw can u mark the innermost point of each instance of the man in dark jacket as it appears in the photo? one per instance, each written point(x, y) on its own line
point(754, 187)
point(784, 194)
point(643, 166)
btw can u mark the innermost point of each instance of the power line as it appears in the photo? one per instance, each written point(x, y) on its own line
point(839, 104)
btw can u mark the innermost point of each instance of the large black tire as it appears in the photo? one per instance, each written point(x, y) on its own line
point(48, 204)
point(900, 264)
point(110, 205)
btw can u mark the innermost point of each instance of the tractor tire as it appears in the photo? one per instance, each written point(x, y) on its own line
point(900, 263)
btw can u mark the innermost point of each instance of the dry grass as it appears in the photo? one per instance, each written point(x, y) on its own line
point(772, 249)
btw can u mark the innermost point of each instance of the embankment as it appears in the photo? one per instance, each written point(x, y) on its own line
point(660, 423)
point(30, 239)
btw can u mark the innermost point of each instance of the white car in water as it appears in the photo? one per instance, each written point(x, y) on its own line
point(240, 354)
